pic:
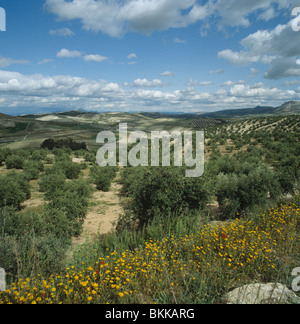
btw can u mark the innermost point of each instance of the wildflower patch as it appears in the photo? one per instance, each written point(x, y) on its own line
point(213, 260)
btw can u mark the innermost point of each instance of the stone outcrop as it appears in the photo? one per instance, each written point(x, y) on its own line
point(271, 293)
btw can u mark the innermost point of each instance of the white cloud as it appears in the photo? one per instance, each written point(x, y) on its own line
point(283, 68)
point(132, 56)
point(38, 91)
point(278, 48)
point(239, 59)
point(238, 12)
point(220, 71)
point(64, 32)
point(115, 17)
point(167, 74)
point(95, 58)
point(232, 83)
point(118, 17)
point(194, 83)
point(7, 61)
point(45, 61)
point(268, 14)
point(148, 84)
point(254, 71)
point(66, 53)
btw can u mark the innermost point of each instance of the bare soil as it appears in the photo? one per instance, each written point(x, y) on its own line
point(104, 210)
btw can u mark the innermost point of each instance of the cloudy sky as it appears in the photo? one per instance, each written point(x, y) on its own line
point(148, 55)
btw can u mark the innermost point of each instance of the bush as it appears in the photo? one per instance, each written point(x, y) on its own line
point(2, 157)
point(50, 144)
point(89, 157)
point(103, 177)
point(163, 191)
point(70, 170)
point(14, 162)
point(14, 189)
point(32, 169)
point(73, 205)
point(237, 193)
point(49, 183)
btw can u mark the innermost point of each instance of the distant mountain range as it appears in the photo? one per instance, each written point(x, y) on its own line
point(289, 108)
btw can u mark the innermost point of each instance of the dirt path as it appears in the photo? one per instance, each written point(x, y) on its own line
point(104, 209)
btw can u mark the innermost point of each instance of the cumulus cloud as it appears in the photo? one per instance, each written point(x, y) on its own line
point(95, 58)
point(65, 53)
point(278, 48)
point(283, 68)
point(148, 84)
point(194, 83)
point(18, 90)
point(115, 17)
point(237, 12)
point(232, 83)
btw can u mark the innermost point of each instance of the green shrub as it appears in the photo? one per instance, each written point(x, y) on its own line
point(51, 144)
point(164, 191)
point(2, 157)
point(49, 183)
point(237, 193)
point(14, 189)
point(32, 169)
point(89, 157)
point(74, 207)
point(103, 177)
point(71, 170)
point(14, 162)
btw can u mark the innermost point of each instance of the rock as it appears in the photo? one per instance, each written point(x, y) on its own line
point(270, 293)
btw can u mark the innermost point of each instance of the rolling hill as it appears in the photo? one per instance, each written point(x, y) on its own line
point(288, 108)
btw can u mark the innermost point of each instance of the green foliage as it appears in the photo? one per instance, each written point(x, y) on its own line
point(2, 157)
point(89, 157)
point(49, 183)
point(15, 162)
point(163, 191)
point(32, 169)
point(71, 202)
point(64, 165)
point(241, 185)
point(102, 177)
point(50, 144)
point(14, 189)
point(37, 242)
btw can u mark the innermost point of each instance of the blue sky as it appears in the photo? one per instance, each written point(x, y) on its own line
point(148, 55)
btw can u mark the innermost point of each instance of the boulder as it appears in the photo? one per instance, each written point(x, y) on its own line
point(271, 293)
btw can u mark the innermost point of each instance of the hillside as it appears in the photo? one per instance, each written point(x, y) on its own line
point(79, 226)
point(289, 108)
point(31, 130)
